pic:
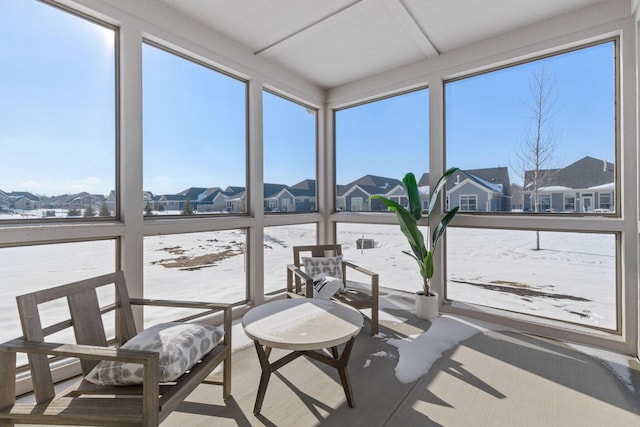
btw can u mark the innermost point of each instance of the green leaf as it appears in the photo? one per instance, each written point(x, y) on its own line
point(411, 187)
point(441, 183)
point(442, 227)
point(408, 226)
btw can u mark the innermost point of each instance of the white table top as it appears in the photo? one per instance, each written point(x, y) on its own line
point(302, 323)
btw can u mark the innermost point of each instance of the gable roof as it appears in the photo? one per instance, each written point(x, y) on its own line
point(306, 187)
point(372, 184)
point(585, 173)
point(495, 179)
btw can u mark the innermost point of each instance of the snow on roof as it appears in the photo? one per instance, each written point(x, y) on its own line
point(607, 186)
point(554, 188)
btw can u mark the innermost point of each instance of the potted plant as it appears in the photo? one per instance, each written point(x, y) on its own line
point(426, 301)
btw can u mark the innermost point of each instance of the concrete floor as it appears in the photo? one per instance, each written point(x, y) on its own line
point(494, 378)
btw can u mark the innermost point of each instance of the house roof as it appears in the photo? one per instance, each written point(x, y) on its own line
point(495, 179)
point(306, 187)
point(585, 173)
point(372, 184)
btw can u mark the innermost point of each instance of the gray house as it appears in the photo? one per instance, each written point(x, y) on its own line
point(587, 185)
point(5, 201)
point(23, 200)
point(355, 196)
point(474, 190)
point(305, 195)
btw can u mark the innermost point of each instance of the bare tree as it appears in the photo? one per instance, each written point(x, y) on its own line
point(537, 150)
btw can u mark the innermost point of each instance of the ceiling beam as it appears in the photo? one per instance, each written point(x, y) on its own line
point(399, 11)
point(266, 50)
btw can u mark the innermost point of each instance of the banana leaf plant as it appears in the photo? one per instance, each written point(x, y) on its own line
point(408, 220)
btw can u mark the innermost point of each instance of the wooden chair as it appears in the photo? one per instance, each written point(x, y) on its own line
point(355, 294)
point(85, 403)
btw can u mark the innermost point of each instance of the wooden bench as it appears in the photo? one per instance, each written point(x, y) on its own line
point(85, 403)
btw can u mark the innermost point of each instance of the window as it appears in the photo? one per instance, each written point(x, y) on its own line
point(556, 168)
point(356, 204)
point(195, 136)
point(572, 95)
point(209, 266)
point(27, 269)
point(605, 201)
point(278, 251)
point(59, 79)
point(289, 136)
point(381, 254)
point(468, 202)
point(377, 144)
point(544, 203)
point(569, 203)
point(571, 277)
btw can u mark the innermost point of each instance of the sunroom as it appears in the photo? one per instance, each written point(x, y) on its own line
point(191, 144)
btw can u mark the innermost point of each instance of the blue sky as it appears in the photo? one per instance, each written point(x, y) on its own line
point(57, 111)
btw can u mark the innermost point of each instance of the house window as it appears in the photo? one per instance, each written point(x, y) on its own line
point(468, 202)
point(289, 138)
point(544, 203)
point(272, 204)
point(193, 115)
point(58, 109)
point(356, 204)
point(378, 142)
point(285, 204)
point(569, 203)
point(605, 201)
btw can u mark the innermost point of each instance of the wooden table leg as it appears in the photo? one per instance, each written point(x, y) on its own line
point(342, 370)
point(263, 356)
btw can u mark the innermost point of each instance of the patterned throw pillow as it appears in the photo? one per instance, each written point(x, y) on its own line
point(327, 266)
point(180, 345)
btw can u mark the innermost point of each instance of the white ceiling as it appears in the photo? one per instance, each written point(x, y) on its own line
point(333, 42)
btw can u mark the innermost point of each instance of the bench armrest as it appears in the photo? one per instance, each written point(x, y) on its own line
point(80, 351)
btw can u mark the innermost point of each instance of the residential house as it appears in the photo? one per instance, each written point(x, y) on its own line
point(5, 202)
point(474, 190)
point(278, 198)
point(214, 201)
point(23, 200)
point(356, 196)
point(587, 185)
point(305, 195)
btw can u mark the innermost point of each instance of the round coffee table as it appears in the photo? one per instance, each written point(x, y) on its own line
point(302, 325)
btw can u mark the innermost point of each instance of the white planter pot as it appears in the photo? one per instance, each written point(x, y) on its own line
point(427, 305)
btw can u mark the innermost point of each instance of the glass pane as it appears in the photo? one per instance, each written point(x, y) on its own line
point(379, 248)
point(289, 135)
point(571, 277)
point(57, 86)
point(376, 145)
point(208, 266)
point(27, 269)
point(195, 137)
point(536, 137)
point(278, 251)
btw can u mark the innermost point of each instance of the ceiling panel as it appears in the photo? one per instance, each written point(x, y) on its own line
point(333, 42)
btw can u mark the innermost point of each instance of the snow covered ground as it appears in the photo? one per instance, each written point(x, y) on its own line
point(571, 278)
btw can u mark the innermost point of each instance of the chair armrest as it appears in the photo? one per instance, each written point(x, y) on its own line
point(180, 304)
point(293, 270)
point(360, 269)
